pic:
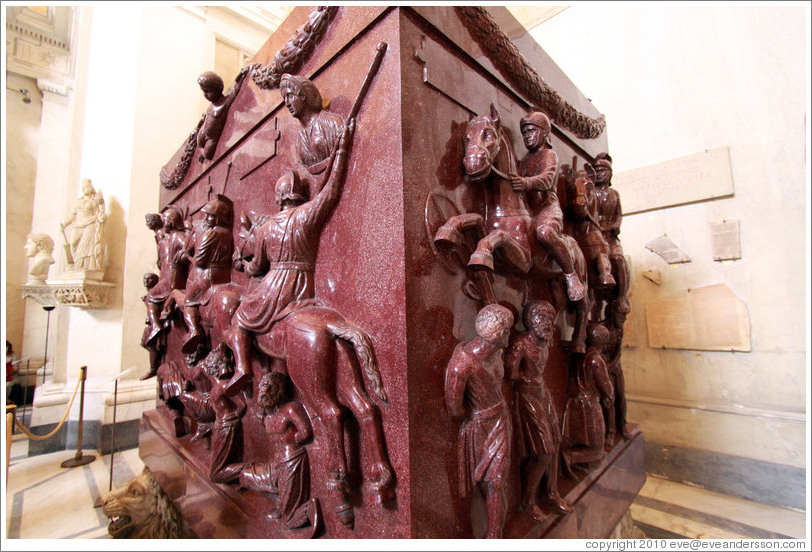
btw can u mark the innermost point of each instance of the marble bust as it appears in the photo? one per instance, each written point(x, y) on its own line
point(39, 246)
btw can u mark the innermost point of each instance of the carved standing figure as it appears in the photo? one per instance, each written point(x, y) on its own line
point(217, 113)
point(86, 240)
point(155, 346)
point(537, 430)
point(615, 412)
point(39, 247)
point(610, 216)
point(584, 426)
point(287, 474)
point(473, 394)
point(171, 238)
point(537, 172)
point(321, 129)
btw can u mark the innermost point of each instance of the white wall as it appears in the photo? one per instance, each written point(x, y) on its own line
point(134, 102)
point(674, 80)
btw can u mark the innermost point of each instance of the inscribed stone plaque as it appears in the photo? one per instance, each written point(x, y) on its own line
point(668, 250)
point(711, 318)
point(725, 240)
point(704, 175)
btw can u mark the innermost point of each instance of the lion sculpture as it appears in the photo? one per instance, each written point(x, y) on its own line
point(141, 510)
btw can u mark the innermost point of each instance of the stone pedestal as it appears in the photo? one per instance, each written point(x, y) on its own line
point(378, 266)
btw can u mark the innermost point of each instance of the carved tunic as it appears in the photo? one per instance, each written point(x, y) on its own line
point(173, 266)
point(536, 419)
point(485, 435)
point(286, 247)
point(212, 256)
point(610, 215)
point(584, 423)
point(318, 139)
point(540, 167)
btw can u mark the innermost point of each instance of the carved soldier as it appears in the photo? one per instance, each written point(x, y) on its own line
point(610, 216)
point(537, 172)
point(473, 394)
point(321, 129)
point(537, 429)
point(171, 238)
point(285, 256)
point(155, 346)
point(39, 247)
point(217, 113)
point(210, 249)
point(583, 204)
point(584, 425)
point(287, 474)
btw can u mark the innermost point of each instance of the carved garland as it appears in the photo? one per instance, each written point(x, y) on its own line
point(513, 65)
point(172, 179)
point(292, 56)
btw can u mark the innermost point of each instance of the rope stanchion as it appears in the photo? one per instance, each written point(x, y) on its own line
point(30, 435)
point(80, 460)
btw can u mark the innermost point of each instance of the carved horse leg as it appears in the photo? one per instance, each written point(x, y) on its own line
point(515, 254)
point(582, 306)
point(450, 233)
point(377, 472)
point(311, 365)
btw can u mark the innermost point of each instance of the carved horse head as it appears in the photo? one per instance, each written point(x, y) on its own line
point(486, 146)
point(580, 186)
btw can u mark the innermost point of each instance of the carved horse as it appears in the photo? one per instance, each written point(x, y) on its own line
point(506, 231)
point(308, 341)
point(582, 205)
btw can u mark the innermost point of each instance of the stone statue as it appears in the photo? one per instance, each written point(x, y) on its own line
point(155, 346)
point(217, 113)
point(537, 430)
point(39, 247)
point(287, 474)
point(584, 425)
point(321, 130)
point(86, 242)
point(473, 394)
point(537, 172)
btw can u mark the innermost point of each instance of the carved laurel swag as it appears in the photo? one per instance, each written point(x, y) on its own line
point(516, 69)
point(172, 179)
point(292, 56)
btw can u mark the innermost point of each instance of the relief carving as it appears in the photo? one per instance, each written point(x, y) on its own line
point(473, 395)
point(538, 432)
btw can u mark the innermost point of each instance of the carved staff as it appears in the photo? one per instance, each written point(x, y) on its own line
point(373, 70)
point(68, 254)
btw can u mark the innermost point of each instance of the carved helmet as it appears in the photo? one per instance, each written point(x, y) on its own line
point(540, 120)
point(173, 217)
point(220, 208)
point(290, 188)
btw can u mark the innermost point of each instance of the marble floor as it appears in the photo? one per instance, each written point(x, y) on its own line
point(37, 487)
